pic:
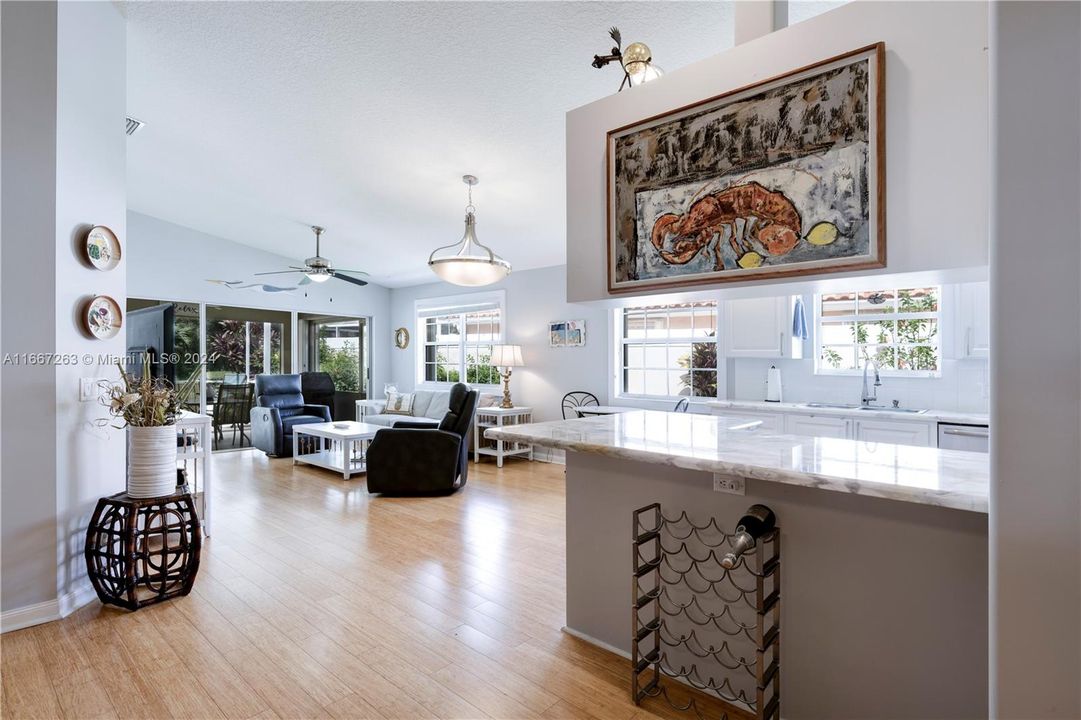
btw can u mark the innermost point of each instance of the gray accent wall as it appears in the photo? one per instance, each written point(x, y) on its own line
point(1035, 528)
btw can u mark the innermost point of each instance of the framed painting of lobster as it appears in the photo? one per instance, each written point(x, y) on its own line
point(784, 177)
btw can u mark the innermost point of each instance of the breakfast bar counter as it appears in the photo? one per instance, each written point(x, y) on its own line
point(884, 586)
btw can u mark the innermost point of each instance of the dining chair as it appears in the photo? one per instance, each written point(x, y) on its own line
point(577, 398)
point(682, 406)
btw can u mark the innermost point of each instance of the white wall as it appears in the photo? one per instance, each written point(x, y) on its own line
point(533, 299)
point(1035, 522)
point(29, 212)
point(63, 171)
point(936, 129)
point(173, 262)
point(963, 386)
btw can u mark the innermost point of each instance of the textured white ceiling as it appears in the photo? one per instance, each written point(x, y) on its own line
point(266, 117)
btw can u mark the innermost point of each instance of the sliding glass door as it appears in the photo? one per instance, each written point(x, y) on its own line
point(339, 347)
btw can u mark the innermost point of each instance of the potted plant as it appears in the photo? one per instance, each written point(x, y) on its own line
point(147, 407)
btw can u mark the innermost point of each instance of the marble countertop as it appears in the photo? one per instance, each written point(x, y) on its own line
point(947, 416)
point(714, 443)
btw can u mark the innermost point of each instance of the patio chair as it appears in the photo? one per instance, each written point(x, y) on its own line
point(233, 410)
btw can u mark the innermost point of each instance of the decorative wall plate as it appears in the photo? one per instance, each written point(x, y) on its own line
point(401, 338)
point(102, 248)
point(102, 317)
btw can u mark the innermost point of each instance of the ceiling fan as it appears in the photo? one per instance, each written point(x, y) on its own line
point(318, 268)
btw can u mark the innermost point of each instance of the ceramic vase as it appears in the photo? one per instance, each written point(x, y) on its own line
point(151, 461)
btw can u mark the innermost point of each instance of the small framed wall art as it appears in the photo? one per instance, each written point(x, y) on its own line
point(102, 317)
point(102, 248)
point(567, 333)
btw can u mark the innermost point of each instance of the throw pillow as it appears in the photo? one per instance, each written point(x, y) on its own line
point(399, 404)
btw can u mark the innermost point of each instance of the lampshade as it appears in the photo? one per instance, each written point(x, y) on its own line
point(507, 356)
point(468, 262)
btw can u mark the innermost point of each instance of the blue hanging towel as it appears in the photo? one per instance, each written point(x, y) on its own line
point(799, 320)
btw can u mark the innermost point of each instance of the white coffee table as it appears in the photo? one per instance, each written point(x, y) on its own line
point(340, 448)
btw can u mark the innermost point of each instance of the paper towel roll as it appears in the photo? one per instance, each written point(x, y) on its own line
point(773, 384)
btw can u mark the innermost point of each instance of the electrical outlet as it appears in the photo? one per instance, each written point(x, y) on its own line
point(88, 389)
point(731, 484)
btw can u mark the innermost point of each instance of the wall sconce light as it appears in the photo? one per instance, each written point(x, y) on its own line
point(636, 61)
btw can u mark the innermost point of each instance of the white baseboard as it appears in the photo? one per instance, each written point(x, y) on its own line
point(594, 641)
point(24, 617)
point(69, 602)
point(47, 611)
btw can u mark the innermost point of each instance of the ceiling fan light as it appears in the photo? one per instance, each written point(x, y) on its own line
point(320, 277)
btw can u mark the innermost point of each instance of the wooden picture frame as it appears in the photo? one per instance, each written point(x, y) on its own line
point(784, 177)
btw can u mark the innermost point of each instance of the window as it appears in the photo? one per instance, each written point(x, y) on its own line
point(898, 329)
point(669, 350)
point(458, 347)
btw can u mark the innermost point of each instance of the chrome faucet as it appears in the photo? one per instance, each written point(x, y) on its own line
point(870, 395)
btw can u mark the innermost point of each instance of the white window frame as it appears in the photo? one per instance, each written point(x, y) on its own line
point(454, 305)
point(618, 389)
point(939, 316)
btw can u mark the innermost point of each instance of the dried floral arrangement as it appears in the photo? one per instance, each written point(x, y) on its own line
point(144, 401)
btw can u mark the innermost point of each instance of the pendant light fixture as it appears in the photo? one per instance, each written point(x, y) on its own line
point(468, 262)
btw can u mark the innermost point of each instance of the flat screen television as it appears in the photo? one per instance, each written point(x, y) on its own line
point(150, 331)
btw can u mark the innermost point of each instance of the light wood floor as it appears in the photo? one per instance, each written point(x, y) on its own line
point(315, 599)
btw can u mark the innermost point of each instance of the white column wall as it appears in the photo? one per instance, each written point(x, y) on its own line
point(1035, 524)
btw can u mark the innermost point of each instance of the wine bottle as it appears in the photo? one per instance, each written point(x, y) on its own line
point(756, 522)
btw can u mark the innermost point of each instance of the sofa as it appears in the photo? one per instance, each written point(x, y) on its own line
point(414, 458)
point(429, 408)
point(279, 407)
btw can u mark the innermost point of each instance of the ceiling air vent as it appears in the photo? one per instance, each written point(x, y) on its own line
point(132, 126)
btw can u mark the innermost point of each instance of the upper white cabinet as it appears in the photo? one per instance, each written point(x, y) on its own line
point(893, 432)
point(973, 320)
point(757, 327)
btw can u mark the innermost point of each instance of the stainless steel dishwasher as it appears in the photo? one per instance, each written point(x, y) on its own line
point(963, 437)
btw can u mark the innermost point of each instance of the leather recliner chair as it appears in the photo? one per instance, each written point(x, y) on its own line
point(279, 408)
point(416, 459)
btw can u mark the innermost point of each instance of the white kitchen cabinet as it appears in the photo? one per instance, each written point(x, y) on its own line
point(893, 432)
point(757, 327)
point(973, 320)
point(817, 426)
point(771, 422)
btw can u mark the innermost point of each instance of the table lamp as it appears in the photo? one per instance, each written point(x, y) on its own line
point(507, 357)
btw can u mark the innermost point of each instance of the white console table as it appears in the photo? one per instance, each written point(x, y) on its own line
point(195, 435)
point(487, 417)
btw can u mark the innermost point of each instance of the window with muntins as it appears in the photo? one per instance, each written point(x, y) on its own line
point(897, 329)
point(669, 350)
point(458, 347)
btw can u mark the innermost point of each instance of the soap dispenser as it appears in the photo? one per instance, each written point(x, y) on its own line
point(773, 384)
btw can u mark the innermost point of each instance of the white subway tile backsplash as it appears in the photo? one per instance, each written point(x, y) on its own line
point(962, 385)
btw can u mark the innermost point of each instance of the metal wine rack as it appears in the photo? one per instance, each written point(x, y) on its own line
point(699, 627)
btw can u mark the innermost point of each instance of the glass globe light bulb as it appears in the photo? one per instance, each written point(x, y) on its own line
point(636, 57)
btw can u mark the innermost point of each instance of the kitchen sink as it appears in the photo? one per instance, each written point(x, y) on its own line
point(872, 408)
